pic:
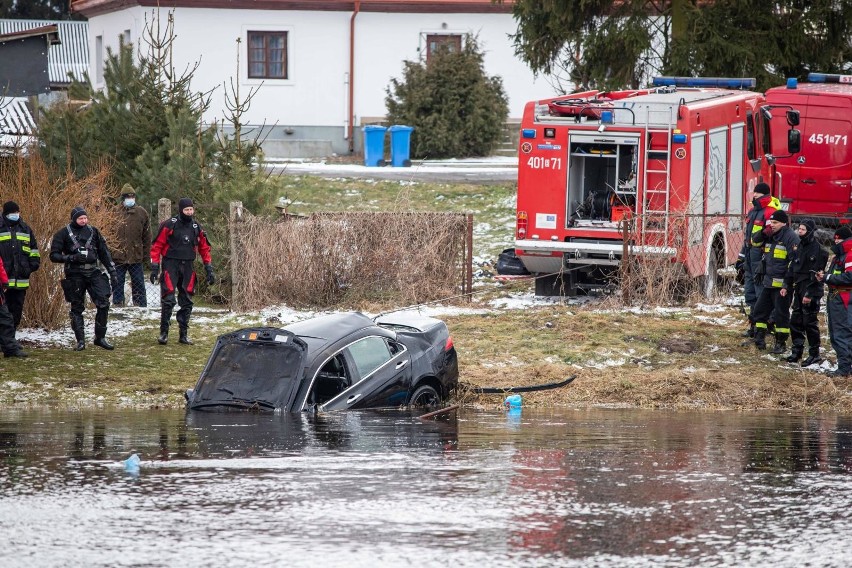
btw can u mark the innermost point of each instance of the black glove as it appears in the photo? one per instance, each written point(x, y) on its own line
point(113, 280)
point(740, 264)
point(77, 257)
point(155, 273)
point(210, 277)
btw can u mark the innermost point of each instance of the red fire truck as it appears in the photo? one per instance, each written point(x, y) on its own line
point(817, 182)
point(677, 159)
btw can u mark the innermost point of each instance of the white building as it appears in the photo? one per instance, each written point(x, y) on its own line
point(320, 65)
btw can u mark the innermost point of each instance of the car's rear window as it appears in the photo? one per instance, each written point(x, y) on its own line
point(251, 370)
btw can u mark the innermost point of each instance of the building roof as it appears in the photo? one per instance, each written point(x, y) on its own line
point(69, 55)
point(16, 124)
point(91, 8)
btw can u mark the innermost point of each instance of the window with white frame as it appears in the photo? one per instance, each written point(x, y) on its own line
point(267, 55)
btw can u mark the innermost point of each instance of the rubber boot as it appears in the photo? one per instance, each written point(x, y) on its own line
point(750, 331)
point(760, 338)
point(100, 329)
point(780, 344)
point(813, 358)
point(183, 336)
point(795, 354)
point(164, 328)
point(79, 333)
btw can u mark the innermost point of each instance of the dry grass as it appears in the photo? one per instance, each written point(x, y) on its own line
point(46, 207)
point(337, 259)
point(641, 360)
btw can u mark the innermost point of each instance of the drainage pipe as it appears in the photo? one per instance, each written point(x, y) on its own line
point(351, 135)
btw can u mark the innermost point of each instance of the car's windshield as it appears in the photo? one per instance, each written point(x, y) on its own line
point(248, 372)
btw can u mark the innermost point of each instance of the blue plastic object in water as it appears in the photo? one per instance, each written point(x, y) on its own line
point(131, 464)
point(513, 401)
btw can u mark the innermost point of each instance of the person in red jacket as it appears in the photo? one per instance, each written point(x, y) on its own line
point(178, 241)
point(10, 346)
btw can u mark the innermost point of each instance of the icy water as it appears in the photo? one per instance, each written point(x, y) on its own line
point(539, 488)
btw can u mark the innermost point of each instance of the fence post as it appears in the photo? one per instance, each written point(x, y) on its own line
point(235, 216)
point(164, 209)
point(469, 257)
point(626, 230)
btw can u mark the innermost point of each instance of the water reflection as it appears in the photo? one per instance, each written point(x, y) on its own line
point(562, 487)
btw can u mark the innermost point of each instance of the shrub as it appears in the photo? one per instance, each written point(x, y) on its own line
point(455, 109)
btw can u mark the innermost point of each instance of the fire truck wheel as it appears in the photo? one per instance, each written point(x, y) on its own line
point(710, 283)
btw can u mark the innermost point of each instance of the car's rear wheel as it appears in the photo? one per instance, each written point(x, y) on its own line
point(425, 396)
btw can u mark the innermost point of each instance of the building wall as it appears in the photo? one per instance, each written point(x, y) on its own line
point(314, 102)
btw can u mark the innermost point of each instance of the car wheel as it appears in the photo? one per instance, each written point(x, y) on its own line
point(425, 396)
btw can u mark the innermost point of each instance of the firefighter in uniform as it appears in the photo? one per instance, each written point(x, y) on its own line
point(10, 346)
point(175, 246)
point(774, 300)
point(19, 251)
point(751, 255)
point(839, 281)
point(809, 259)
point(81, 247)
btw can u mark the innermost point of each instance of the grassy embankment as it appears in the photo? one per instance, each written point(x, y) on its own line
point(675, 358)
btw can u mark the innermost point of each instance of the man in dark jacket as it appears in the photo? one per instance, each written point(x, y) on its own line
point(809, 259)
point(19, 251)
point(8, 343)
point(774, 300)
point(838, 278)
point(132, 248)
point(177, 242)
point(81, 248)
point(751, 255)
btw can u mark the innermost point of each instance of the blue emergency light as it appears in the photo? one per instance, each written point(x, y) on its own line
point(528, 133)
point(829, 78)
point(724, 82)
point(792, 83)
point(606, 117)
point(678, 138)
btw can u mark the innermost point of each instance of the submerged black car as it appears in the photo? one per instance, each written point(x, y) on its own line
point(332, 362)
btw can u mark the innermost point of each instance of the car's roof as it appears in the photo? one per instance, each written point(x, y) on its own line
point(331, 327)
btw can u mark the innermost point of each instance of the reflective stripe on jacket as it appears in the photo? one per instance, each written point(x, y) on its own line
point(777, 255)
point(19, 251)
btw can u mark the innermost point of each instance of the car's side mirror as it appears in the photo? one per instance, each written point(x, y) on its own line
point(793, 117)
point(794, 141)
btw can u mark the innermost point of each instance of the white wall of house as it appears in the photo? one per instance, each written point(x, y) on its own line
point(316, 94)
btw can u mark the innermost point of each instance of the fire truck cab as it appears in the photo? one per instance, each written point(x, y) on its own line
point(669, 166)
point(817, 183)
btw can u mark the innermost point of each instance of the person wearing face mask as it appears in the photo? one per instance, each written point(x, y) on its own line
point(751, 254)
point(178, 241)
point(19, 251)
point(809, 259)
point(838, 278)
point(773, 304)
point(133, 246)
point(82, 249)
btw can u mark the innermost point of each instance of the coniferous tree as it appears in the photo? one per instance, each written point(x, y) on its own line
point(145, 118)
point(616, 44)
point(455, 108)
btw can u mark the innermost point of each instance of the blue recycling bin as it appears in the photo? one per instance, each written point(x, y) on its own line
point(400, 145)
point(374, 145)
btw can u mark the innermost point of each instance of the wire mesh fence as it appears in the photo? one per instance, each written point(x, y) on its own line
point(349, 258)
